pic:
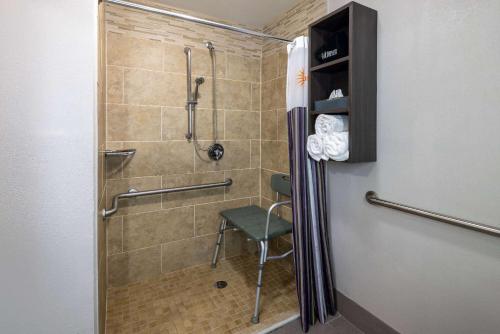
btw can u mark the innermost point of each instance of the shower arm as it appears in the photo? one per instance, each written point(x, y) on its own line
point(190, 100)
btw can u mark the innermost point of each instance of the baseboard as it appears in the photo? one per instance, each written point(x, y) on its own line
point(360, 317)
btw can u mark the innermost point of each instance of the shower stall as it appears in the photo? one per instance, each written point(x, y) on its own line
point(195, 124)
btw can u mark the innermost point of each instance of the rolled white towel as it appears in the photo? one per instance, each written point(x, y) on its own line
point(336, 146)
point(328, 124)
point(315, 147)
point(342, 157)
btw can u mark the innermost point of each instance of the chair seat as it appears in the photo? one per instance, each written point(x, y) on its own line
point(252, 221)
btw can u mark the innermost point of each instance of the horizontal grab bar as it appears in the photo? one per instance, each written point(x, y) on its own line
point(131, 194)
point(372, 198)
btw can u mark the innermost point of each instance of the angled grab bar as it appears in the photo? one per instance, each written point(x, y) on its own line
point(372, 198)
point(106, 213)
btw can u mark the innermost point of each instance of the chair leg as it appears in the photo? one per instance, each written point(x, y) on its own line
point(262, 260)
point(222, 228)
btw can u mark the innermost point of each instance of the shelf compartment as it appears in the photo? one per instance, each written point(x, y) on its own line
point(324, 32)
point(331, 65)
point(323, 82)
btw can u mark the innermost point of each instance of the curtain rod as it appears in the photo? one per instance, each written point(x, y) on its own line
point(195, 19)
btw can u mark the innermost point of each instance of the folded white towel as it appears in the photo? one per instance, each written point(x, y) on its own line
point(336, 146)
point(328, 124)
point(315, 147)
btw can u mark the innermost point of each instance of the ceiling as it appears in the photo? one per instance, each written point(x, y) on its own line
point(255, 13)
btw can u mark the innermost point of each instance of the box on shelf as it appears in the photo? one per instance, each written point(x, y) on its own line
point(326, 105)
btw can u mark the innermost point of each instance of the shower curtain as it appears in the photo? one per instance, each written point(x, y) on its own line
point(313, 268)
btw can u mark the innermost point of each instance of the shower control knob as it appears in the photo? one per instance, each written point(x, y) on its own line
point(216, 152)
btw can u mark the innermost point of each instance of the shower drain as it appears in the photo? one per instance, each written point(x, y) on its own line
point(220, 284)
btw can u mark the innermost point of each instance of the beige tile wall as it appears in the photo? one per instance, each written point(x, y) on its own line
point(146, 95)
point(274, 130)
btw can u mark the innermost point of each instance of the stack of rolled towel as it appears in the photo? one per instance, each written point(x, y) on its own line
point(331, 140)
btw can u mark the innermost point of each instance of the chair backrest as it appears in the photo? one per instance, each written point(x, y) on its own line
point(280, 183)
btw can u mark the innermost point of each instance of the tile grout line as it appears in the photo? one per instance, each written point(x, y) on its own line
point(161, 258)
point(161, 123)
point(260, 134)
point(229, 110)
point(123, 85)
point(123, 68)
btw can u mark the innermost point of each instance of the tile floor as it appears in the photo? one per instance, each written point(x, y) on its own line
point(186, 301)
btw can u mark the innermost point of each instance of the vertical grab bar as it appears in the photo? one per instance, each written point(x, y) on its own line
point(190, 102)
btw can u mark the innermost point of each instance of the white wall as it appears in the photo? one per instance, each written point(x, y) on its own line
point(438, 145)
point(47, 170)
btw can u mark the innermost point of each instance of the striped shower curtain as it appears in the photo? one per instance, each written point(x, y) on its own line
point(313, 267)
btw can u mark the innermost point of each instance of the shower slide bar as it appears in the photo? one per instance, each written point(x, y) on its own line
point(134, 193)
point(372, 198)
point(195, 19)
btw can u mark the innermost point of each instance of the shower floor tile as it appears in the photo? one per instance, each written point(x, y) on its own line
point(187, 301)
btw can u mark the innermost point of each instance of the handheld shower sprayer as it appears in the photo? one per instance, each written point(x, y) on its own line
point(198, 82)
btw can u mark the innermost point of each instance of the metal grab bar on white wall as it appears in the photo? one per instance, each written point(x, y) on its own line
point(132, 194)
point(372, 198)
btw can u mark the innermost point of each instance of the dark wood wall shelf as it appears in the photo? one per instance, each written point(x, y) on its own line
point(354, 73)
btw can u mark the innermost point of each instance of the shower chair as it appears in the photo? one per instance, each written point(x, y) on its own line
point(261, 226)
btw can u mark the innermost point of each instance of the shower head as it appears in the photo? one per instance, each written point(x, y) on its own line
point(210, 45)
point(199, 80)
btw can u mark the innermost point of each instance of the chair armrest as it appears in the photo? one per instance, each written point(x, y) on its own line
point(270, 211)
